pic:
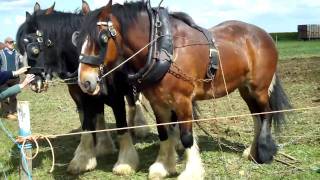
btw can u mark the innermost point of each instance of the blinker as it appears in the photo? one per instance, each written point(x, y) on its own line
point(39, 33)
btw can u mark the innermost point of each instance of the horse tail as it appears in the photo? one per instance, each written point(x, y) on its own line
point(278, 101)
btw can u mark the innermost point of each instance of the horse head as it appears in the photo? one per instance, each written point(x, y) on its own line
point(100, 47)
point(30, 42)
point(41, 43)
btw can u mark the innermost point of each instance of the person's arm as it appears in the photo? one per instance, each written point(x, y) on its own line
point(10, 91)
point(16, 88)
point(5, 76)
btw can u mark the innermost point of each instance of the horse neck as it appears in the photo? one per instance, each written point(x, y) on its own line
point(136, 37)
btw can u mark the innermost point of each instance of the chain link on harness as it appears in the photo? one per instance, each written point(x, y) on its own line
point(179, 74)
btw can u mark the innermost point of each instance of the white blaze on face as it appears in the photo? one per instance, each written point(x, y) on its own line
point(84, 46)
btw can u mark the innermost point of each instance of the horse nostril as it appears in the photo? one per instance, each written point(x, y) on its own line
point(86, 85)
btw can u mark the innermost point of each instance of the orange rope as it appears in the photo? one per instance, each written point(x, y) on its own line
point(34, 138)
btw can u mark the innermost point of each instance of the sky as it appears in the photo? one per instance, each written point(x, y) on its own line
point(271, 15)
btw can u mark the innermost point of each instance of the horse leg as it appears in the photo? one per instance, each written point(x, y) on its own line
point(194, 168)
point(263, 147)
point(85, 156)
point(165, 163)
point(128, 159)
point(105, 143)
point(91, 119)
point(136, 117)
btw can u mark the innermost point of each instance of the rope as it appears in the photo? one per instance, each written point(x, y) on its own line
point(10, 136)
point(34, 138)
point(174, 123)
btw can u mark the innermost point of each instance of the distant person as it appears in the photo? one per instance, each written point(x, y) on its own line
point(13, 90)
point(10, 61)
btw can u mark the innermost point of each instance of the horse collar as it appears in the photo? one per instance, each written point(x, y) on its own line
point(160, 52)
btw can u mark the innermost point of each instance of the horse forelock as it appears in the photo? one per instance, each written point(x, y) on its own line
point(58, 27)
point(126, 14)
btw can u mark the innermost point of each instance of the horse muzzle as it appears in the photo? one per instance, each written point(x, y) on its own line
point(89, 84)
point(39, 85)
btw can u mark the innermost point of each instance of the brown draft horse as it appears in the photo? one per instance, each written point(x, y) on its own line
point(248, 60)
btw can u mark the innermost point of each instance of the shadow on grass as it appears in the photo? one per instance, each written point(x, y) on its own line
point(64, 148)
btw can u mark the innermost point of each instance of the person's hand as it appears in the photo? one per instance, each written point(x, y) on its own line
point(20, 71)
point(29, 78)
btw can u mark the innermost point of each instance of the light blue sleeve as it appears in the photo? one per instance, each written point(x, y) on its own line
point(10, 91)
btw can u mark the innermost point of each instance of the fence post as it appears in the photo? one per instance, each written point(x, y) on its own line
point(25, 170)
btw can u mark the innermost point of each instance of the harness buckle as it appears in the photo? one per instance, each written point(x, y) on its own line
point(212, 51)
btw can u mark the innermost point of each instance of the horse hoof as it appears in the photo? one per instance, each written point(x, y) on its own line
point(123, 170)
point(190, 176)
point(157, 171)
point(246, 153)
point(78, 165)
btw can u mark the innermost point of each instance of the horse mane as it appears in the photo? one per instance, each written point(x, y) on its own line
point(126, 15)
point(21, 30)
point(186, 18)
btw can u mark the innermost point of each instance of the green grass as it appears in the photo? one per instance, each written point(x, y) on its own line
point(53, 113)
point(298, 49)
point(284, 36)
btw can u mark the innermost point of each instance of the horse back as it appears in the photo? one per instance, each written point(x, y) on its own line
point(247, 47)
point(241, 33)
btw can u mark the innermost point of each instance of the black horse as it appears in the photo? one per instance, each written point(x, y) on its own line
point(45, 39)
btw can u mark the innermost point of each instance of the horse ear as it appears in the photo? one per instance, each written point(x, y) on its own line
point(28, 16)
point(85, 7)
point(51, 9)
point(106, 10)
point(36, 7)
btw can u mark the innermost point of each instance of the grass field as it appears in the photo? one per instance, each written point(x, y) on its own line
point(298, 49)
point(53, 112)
